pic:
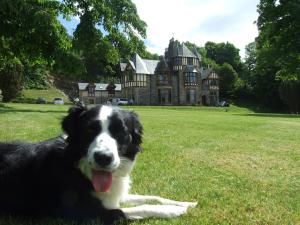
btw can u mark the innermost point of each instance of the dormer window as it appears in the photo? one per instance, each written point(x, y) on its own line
point(91, 90)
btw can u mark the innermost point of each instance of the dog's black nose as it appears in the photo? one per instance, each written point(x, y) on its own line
point(103, 159)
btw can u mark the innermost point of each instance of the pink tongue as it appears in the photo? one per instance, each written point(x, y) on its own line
point(101, 180)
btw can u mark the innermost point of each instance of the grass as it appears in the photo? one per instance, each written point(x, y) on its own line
point(30, 96)
point(241, 167)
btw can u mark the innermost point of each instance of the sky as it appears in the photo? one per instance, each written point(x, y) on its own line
point(196, 21)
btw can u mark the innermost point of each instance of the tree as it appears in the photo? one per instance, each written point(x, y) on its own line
point(205, 60)
point(30, 35)
point(228, 77)
point(277, 51)
point(279, 27)
point(224, 53)
point(108, 31)
point(11, 79)
point(250, 56)
point(290, 93)
point(30, 30)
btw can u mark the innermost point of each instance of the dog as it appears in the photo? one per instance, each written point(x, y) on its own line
point(83, 174)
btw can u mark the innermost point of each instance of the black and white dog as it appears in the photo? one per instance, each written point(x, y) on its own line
point(83, 175)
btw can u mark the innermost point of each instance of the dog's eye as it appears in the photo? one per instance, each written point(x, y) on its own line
point(94, 127)
point(123, 137)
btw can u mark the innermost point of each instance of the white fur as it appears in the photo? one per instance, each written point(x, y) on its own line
point(141, 199)
point(158, 211)
point(119, 190)
point(104, 143)
point(120, 186)
point(120, 183)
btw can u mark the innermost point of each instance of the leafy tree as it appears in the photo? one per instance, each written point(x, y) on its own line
point(250, 56)
point(228, 77)
point(279, 27)
point(30, 35)
point(205, 60)
point(290, 93)
point(277, 51)
point(108, 31)
point(30, 30)
point(69, 64)
point(149, 55)
point(11, 79)
point(224, 53)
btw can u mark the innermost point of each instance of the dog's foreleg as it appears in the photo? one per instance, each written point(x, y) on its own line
point(154, 211)
point(141, 199)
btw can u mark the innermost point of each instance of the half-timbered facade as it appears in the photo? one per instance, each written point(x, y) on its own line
point(176, 79)
point(98, 93)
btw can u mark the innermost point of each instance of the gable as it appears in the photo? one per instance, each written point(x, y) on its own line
point(213, 75)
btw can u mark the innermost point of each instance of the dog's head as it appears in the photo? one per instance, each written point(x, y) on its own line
point(105, 138)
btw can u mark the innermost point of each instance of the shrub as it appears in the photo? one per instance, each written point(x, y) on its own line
point(11, 79)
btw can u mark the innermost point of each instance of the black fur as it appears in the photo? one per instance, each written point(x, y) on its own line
point(43, 180)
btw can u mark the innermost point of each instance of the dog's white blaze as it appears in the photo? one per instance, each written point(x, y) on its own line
point(105, 112)
point(104, 143)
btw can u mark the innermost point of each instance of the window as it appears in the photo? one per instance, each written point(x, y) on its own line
point(190, 61)
point(163, 79)
point(91, 90)
point(130, 76)
point(213, 82)
point(91, 101)
point(190, 78)
point(135, 80)
point(177, 61)
point(164, 96)
point(191, 97)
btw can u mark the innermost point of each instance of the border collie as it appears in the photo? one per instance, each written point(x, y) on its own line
point(81, 175)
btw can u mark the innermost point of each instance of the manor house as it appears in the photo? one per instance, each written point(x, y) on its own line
point(178, 78)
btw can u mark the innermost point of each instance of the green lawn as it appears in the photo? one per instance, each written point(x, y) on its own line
point(30, 96)
point(241, 167)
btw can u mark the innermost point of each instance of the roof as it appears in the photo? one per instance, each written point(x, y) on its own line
point(177, 49)
point(141, 66)
point(99, 86)
point(151, 65)
point(185, 52)
point(205, 72)
point(197, 54)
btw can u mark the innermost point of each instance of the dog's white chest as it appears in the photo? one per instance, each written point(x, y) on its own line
point(119, 189)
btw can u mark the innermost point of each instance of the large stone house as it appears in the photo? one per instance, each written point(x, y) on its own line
point(176, 79)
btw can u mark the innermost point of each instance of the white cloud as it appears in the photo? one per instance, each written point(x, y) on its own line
point(198, 21)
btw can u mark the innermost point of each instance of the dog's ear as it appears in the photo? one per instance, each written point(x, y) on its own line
point(137, 131)
point(69, 123)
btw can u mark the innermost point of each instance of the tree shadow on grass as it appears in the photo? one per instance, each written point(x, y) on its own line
point(31, 111)
point(3, 106)
point(13, 220)
point(270, 115)
point(8, 109)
